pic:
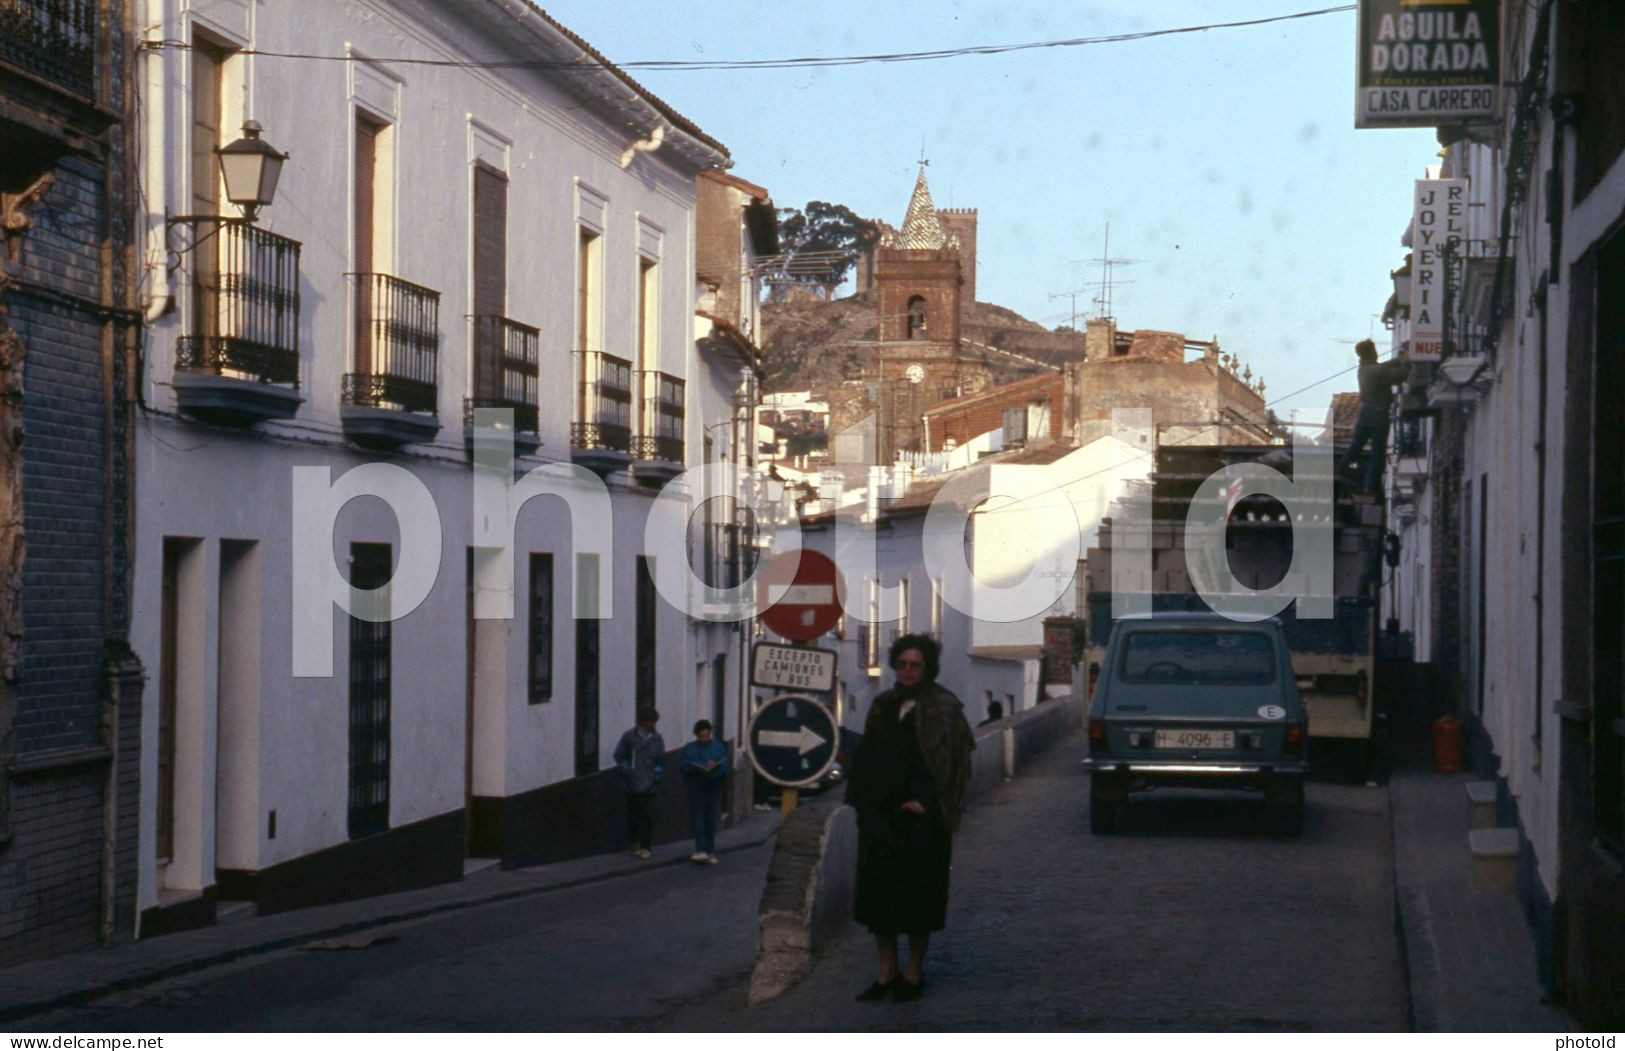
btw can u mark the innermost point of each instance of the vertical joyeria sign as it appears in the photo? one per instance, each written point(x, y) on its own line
point(1438, 225)
point(1425, 63)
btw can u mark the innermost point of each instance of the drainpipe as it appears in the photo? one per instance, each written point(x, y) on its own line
point(744, 460)
point(161, 299)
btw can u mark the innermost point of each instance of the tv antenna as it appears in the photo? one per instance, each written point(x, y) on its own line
point(1106, 262)
point(1073, 296)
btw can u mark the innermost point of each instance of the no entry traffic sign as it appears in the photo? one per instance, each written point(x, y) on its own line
point(799, 594)
point(793, 740)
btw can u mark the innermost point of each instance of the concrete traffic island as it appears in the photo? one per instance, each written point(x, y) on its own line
point(807, 900)
point(808, 895)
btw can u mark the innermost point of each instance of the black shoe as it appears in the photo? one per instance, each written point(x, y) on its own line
point(879, 990)
point(907, 990)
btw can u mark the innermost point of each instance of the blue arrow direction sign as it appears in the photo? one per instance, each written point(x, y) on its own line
point(793, 740)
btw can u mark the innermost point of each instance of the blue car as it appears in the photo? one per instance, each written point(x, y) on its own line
point(1197, 700)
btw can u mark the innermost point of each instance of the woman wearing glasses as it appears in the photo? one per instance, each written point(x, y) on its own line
point(907, 783)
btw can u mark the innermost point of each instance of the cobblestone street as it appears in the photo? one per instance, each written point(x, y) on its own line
point(1194, 916)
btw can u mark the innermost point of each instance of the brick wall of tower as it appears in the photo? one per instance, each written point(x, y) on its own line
point(901, 274)
point(961, 222)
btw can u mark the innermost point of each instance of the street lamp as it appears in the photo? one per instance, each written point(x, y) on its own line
point(250, 167)
point(1402, 286)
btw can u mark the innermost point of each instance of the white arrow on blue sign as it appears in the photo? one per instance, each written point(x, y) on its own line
point(793, 740)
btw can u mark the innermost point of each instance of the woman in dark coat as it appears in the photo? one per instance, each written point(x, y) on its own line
point(907, 783)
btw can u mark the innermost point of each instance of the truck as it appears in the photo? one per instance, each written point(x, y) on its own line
point(1334, 659)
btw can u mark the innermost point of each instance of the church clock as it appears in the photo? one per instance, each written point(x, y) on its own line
point(915, 373)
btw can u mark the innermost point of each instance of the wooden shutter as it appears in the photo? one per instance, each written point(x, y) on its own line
point(490, 278)
point(206, 62)
point(366, 167)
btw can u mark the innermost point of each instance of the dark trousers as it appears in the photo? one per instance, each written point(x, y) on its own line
point(640, 818)
point(705, 813)
point(1369, 445)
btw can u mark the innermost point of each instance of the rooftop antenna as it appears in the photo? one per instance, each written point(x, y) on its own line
point(1104, 300)
point(1073, 296)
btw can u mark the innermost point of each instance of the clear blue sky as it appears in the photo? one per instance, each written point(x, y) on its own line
point(1226, 161)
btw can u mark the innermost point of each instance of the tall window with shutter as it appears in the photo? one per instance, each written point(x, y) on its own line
point(362, 248)
point(371, 645)
point(490, 281)
point(207, 62)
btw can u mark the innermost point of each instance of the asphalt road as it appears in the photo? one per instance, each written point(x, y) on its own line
point(1195, 916)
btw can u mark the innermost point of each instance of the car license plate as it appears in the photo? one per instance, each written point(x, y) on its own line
point(1196, 739)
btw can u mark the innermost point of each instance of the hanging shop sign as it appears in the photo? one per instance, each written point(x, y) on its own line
point(1438, 228)
point(1426, 63)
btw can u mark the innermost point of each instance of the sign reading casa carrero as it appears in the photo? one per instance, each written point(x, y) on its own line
point(792, 667)
point(1424, 63)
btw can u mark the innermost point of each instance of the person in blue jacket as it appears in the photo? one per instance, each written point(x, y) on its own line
point(703, 762)
point(641, 759)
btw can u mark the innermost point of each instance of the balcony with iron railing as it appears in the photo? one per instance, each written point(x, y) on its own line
point(392, 397)
point(1410, 448)
point(506, 375)
point(240, 361)
point(657, 451)
point(53, 40)
point(601, 436)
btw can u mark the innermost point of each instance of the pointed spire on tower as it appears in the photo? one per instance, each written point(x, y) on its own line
point(921, 229)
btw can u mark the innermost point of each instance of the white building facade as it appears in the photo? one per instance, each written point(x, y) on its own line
point(1026, 519)
point(1509, 485)
point(478, 212)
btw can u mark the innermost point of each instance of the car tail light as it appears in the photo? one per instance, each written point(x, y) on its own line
point(1294, 737)
point(1359, 690)
point(1097, 735)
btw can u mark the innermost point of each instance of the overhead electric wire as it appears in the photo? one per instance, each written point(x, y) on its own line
point(800, 62)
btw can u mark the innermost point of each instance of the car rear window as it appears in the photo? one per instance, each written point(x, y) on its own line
point(1219, 657)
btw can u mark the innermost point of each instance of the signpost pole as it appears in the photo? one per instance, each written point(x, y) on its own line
point(792, 798)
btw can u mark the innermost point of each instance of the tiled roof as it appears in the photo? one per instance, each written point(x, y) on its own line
point(677, 119)
point(1345, 411)
point(921, 494)
point(1003, 390)
point(750, 189)
point(728, 330)
point(921, 228)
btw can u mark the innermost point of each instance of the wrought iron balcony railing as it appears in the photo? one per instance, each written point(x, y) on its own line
point(52, 39)
point(603, 402)
point(1409, 439)
point(660, 431)
point(397, 345)
point(506, 369)
point(246, 318)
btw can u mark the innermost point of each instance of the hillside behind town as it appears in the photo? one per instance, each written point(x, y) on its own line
point(810, 344)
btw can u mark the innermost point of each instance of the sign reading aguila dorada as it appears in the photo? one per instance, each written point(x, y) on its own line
point(1424, 63)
